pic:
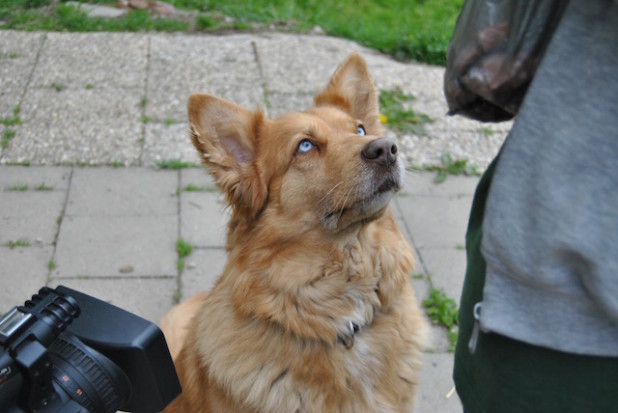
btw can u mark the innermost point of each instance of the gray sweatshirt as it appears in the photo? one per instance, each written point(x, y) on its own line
point(550, 234)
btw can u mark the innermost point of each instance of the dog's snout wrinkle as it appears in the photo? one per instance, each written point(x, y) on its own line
point(382, 151)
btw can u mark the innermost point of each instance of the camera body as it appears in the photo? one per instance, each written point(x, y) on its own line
point(66, 352)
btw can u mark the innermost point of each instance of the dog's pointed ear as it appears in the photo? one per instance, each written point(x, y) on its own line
point(352, 90)
point(226, 137)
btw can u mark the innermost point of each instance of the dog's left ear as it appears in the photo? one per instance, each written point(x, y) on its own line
point(352, 90)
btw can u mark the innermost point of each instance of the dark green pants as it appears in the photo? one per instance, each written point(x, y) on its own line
point(505, 375)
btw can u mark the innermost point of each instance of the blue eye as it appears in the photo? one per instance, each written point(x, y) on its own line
point(305, 146)
point(360, 130)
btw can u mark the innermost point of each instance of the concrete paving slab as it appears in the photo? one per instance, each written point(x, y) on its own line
point(180, 65)
point(204, 214)
point(435, 221)
point(202, 269)
point(281, 103)
point(203, 219)
point(35, 178)
point(478, 147)
point(149, 298)
point(10, 99)
point(104, 246)
point(80, 126)
point(419, 80)
point(438, 341)
point(199, 177)
point(436, 393)
point(101, 60)
point(284, 59)
point(30, 215)
point(123, 192)
point(23, 272)
point(447, 269)
point(31, 212)
point(18, 52)
point(423, 184)
point(168, 142)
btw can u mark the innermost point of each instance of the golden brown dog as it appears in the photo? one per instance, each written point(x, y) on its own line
point(314, 311)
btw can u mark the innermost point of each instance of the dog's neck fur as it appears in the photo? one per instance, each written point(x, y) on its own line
point(358, 276)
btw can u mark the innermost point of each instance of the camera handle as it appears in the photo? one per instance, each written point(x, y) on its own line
point(27, 340)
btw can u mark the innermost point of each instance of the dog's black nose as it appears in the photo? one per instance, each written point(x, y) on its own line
point(382, 151)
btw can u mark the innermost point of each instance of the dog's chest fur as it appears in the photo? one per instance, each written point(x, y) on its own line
point(267, 364)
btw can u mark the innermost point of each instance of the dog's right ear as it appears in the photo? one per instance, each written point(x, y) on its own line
point(352, 90)
point(226, 137)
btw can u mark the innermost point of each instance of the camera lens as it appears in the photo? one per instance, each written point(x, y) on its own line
point(88, 377)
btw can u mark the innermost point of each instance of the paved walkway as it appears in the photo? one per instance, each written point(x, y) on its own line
point(111, 100)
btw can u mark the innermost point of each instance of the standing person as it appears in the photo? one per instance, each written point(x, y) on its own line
point(542, 241)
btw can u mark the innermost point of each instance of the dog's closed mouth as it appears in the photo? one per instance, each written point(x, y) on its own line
point(389, 184)
point(368, 205)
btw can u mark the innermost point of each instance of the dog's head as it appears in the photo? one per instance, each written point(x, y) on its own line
point(327, 168)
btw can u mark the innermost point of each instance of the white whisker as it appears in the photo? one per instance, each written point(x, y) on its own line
point(344, 203)
point(329, 192)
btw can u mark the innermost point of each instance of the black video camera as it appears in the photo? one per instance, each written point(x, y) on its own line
point(66, 352)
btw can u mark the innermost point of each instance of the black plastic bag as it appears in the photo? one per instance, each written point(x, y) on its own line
point(495, 50)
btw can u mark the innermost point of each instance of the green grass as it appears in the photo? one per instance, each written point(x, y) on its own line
point(195, 188)
point(449, 166)
point(184, 249)
point(58, 87)
point(7, 136)
point(9, 122)
point(397, 114)
point(18, 188)
point(405, 29)
point(22, 188)
point(45, 15)
point(13, 120)
point(22, 163)
point(21, 243)
point(43, 187)
point(175, 164)
point(486, 131)
point(442, 310)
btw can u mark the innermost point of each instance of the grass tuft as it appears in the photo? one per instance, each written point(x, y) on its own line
point(449, 166)
point(21, 243)
point(18, 188)
point(397, 114)
point(58, 87)
point(195, 188)
point(442, 310)
point(184, 249)
point(175, 164)
point(44, 187)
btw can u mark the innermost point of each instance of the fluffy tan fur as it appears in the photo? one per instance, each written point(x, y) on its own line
point(314, 311)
